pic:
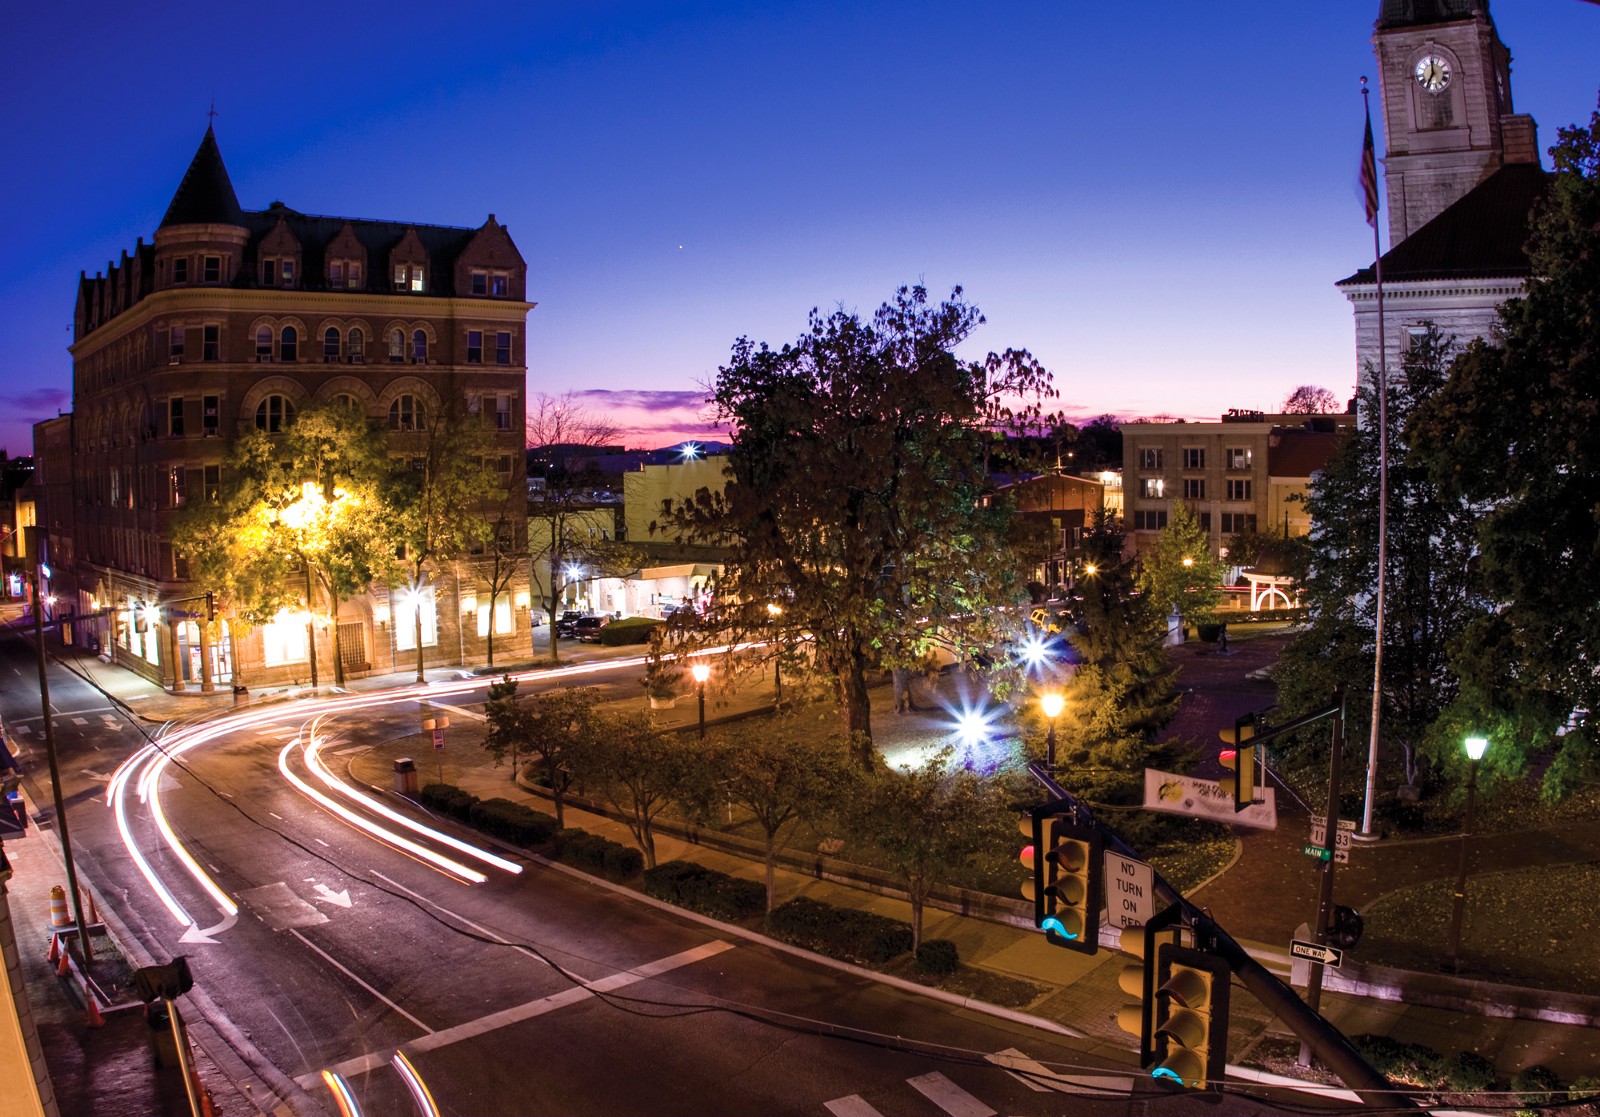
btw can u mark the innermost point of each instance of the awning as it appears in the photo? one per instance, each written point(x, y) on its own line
point(691, 570)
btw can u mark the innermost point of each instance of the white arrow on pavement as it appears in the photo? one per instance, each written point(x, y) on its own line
point(328, 895)
point(196, 935)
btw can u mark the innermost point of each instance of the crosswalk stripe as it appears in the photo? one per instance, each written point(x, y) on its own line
point(948, 1096)
point(853, 1106)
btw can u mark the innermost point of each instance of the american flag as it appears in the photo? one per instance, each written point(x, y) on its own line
point(1369, 175)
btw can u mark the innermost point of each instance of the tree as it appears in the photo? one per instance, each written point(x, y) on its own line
point(552, 726)
point(857, 492)
point(504, 553)
point(1428, 602)
point(1180, 572)
point(638, 770)
point(926, 821)
point(1512, 434)
point(782, 772)
point(570, 530)
point(441, 488)
point(1310, 399)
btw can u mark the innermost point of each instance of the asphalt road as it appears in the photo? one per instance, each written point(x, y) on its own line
point(526, 994)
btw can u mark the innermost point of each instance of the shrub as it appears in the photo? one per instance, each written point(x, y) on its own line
point(1413, 1063)
point(704, 890)
point(434, 796)
point(628, 630)
point(1584, 1088)
point(1468, 1072)
point(857, 936)
point(459, 804)
point(513, 822)
point(938, 956)
point(1538, 1082)
point(602, 855)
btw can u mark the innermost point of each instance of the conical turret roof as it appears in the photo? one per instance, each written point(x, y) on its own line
point(205, 196)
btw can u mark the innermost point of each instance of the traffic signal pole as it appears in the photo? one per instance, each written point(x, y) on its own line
point(1330, 840)
point(1319, 1037)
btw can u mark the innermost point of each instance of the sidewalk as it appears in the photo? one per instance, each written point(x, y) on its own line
point(1260, 899)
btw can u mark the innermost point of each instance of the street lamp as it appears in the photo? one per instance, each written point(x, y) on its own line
point(1475, 746)
point(1052, 705)
point(774, 611)
point(701, 673)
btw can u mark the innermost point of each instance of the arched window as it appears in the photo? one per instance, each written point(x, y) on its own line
point(274, 413)
point(330, 346)
point(405, 414)
point(289, 344)
point(347, 402)
point(397, 346)
point(264, 343)
point(419, 346)
point(358, 347)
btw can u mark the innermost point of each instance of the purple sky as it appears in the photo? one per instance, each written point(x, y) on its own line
point(1155, 199)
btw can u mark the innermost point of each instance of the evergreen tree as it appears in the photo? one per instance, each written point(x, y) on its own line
point(1180, 571)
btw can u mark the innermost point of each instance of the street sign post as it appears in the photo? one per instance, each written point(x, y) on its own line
point(1327, 955)
point(1316, 851)
point(1342, 837)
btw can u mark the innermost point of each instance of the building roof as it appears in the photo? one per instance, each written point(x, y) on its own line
point(205, 196)
point(1483, 235)
point(1416, 13)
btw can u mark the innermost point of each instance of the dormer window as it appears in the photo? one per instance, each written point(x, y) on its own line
point(288, 273)
point(496, 284)
point(336, 274)
point(269, 273)
point(409, 277)
point(212, 272)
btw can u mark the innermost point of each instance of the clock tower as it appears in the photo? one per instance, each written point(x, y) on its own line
point(1445, 81)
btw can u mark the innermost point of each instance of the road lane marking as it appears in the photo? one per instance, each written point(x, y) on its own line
point(336, 965)
point(463, 712)
point(853, 1106)
point(432, 1041)
point(948, 1096)
point(459, 918)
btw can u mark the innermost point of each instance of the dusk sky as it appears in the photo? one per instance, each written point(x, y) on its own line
point(1154, 198)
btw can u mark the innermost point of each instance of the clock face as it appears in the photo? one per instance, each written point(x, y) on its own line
point(1432, 73)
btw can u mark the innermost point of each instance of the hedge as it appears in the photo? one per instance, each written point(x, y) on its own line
point(591, 851)
point(855, 936)
point(516, 823)
point(693, 886)
point(448, 799)
point(628, 630)
point(938, 956)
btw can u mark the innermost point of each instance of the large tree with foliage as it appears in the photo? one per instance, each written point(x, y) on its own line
point(1179, 571)
point(1428, 602)
point(638, 769)
point(551, 726)
point(1514, 435)
point(857, 494)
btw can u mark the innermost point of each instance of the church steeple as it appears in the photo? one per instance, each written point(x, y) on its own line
point(205, 196)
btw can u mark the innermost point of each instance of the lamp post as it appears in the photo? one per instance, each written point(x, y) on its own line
point(774, 611)
point(1475, 747)
point(1051, 704)
point(701, 673)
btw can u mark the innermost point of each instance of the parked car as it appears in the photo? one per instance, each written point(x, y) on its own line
point(565, 625)
point(587, 629)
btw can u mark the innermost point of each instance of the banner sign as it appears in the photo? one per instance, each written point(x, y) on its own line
point(1165, 791)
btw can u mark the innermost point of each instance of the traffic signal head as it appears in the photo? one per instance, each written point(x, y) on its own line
point(1190, 1017)
point(1073, 869)
point(1137, 979)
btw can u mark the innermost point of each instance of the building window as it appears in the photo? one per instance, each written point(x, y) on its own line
point(358, 347)
point(406, 614)
point(289, 344)
point(274, 413)
point(211, 481)
point(353, 274)
point(1205, 522)
point(213, 269)
point(210, 412)
point(474, 347)
point(502, 466)
point(175, 344)
point(1150, 459)
point(348, 402)
point(502, 413)
point(419, 347)
point(175, 416)
point(1238, 457)
point(180, 486)
point(263, 345)
point(406, 415)
point(269, 273)
point(1152, 487)
point(409, 277)
point(1239, 490)
point(336, 273)
point(502, 614)
point(330, 346)
point(480, 283)
point(498, 285)
point(211, 343)
point(288, 273)
point(397, 347)
point(1235, 522)
point(1194, 457)
point(1149, 521)
point(1194, 488)
point(502, 348)
point(283, 641)
point(180, 270)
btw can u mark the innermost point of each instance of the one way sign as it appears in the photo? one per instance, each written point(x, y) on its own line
point(1327, 955)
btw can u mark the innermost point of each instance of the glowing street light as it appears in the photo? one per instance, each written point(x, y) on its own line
point(1052, 705)
point(689, 451)
point(701, 672)
point(1475, 748)
point(774, 611)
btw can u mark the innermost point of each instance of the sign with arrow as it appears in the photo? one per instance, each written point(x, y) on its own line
point(1327, 955)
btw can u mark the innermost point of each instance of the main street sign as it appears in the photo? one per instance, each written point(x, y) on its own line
point(1327, 955)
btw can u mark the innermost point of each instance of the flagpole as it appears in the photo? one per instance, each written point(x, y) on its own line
point(1383, 474)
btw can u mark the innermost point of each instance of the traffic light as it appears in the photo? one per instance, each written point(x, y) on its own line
point(1068, 865)
point(1240, 762)
point(1190, 1017)
point(1346, 927)
point(1138, 979)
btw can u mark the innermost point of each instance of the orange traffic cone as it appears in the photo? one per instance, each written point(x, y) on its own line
point(58, 908)
point(92, 1009)
point(65, 964)
point(90, 913)
point(55, 950)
